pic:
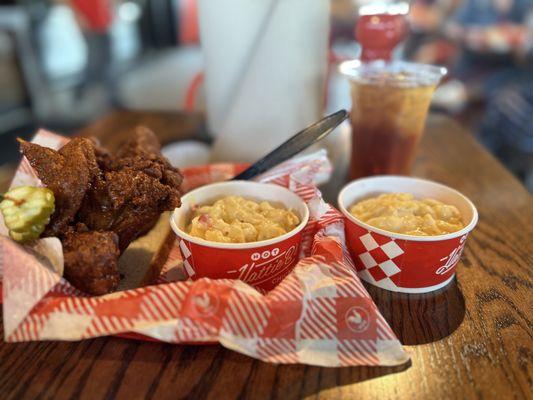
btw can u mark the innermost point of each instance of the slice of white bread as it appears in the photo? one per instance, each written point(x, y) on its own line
point(141, 263)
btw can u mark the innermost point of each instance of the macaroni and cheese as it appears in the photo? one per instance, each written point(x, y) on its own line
point(403, 213)
point(234, 219)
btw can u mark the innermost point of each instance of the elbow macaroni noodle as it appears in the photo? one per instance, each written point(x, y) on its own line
point(234, 219)
point(402, 213)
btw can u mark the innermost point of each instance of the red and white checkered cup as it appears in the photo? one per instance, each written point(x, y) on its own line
point(262, 264)
point(398, 262)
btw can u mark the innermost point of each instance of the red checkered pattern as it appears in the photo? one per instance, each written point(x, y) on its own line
point(186, 252)
point(376, 257)
point(320, 314)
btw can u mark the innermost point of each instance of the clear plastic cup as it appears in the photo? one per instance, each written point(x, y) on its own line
point(390, 102)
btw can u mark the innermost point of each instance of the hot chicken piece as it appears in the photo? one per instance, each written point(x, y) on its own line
point(103, 201)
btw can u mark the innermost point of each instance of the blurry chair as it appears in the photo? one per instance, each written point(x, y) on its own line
point(158, 23)
point(172, 60)
point(15, 31)
point(162, 80)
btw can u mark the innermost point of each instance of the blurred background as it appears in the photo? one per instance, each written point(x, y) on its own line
point(64, 64)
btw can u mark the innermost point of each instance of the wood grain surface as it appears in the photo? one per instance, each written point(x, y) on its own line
point(470, 340)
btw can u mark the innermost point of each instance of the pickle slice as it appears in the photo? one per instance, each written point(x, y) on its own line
point(33, 233)
point(26, 211)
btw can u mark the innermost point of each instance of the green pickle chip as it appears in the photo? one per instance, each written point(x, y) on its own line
point(26, 211)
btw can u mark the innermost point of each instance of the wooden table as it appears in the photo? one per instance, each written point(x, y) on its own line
point(472, 339)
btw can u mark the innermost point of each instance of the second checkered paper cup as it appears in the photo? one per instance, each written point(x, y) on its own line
point(398, 262)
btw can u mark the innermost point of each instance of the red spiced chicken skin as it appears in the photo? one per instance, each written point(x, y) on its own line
point(104, 201)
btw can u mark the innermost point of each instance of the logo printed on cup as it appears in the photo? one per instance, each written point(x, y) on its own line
point(205, 304)
point(265, 254)
point(266, 265)
point(357, 319)
point(452, 259)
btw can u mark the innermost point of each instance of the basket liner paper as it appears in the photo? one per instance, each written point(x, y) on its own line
point(320, 314)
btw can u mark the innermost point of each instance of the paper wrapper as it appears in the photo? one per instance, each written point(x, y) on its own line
point(320, 314)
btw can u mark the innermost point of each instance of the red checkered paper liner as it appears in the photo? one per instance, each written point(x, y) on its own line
point(320, 314)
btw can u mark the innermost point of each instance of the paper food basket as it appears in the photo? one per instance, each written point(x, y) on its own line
point(320, 314)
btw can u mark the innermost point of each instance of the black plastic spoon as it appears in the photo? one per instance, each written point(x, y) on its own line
point(294, 145)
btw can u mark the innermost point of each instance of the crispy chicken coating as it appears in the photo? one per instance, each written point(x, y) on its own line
point(144, 141)
point(129, 203)
point(91, 261)
point(137, 186)
point(104, 201)
point(68, 173)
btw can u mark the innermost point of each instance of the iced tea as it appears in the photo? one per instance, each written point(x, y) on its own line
point(390, 102)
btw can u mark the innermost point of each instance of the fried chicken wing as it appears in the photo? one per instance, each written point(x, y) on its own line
point(104, 201)
point(143, 153)
point(91, 261)
point(137, 187)
point(68, 173)
point(128, 203)
point(144, 141)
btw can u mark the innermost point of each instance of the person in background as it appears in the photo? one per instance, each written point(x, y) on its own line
point(492, 36)
point(94, 18)
point(497, 62)
point(507, 129)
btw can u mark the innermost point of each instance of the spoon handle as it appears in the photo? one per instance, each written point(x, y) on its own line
point(294, 145)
